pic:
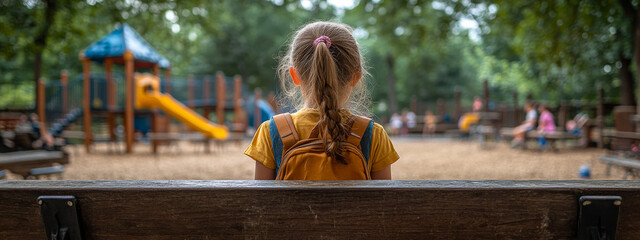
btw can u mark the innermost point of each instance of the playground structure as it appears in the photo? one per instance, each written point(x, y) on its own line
point(114, 95)
point(148, 96)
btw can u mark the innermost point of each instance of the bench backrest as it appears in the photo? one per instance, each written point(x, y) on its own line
point(321, 209)
point(9, 123)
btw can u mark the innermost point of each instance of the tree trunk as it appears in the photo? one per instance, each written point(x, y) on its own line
point(391, 81)
point(37, 72)
point(40, 41)
point(636, 51)
point(626, 81)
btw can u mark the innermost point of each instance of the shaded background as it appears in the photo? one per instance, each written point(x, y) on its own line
point(550, 50)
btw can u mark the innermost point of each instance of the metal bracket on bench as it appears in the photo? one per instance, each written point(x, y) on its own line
point(60, 216)
point(598, 217)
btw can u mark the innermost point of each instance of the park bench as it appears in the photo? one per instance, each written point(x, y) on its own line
point(9, 121)
point(320, 209)
point(45, 171)
point(552, 138)
point(23, 162)
point(630, 166)
point(621, 156)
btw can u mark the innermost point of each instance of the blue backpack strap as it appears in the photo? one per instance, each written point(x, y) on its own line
point(276, 142)
point(283, 135)
point(365, 143)
point(361, 133)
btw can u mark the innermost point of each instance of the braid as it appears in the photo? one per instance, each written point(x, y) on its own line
point(326, 87)
point(326, 59)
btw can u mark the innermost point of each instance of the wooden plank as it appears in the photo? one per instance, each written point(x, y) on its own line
point(318, 209)
point(623, 135)
point(22, 162)
point(625, 162)
point(552, 135)
point(34, 155)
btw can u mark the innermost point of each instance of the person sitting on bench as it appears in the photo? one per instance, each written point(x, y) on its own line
point(529, 124)
point(39, 137)
point(574, 126)
point(545, 124)
point(430, 122)
point(472, 118)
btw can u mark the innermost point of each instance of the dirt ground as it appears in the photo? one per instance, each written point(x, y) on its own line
point(424, 159)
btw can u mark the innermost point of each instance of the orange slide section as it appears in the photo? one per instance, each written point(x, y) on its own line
point(148, 96)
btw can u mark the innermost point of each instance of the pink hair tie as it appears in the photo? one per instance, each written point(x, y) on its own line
point(324, 39)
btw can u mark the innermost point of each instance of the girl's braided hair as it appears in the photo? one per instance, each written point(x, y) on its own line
point(326, 58)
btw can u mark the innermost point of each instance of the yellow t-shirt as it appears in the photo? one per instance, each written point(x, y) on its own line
point(382, 152)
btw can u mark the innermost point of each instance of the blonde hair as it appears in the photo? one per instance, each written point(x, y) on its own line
point(326, 69)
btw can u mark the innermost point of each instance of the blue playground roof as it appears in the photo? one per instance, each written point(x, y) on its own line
point(122, 39)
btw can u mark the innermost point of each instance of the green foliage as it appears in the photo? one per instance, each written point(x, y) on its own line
point(564, 48)
point(552, 49)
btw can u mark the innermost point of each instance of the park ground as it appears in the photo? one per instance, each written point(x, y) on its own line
point(420, 159)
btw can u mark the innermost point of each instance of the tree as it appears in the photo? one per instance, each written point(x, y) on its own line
point(569, 46)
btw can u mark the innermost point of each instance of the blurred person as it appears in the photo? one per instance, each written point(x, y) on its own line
point(42, 138)
point(404, 129)
point(23, 125)
point(471, 118)
point(467, 120)
point(477, 104)
point(546, 125)
point(429, 123)
point(411, 120)
point(529, 124)
point(575, 125)
point(395, 124)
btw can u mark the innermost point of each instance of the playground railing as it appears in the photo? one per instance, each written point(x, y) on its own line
point(321, 209)
point(201, 90)
point(54, 108)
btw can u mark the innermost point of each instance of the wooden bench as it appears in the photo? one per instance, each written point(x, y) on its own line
point(630, 166)
point(321, 209)
point(9, 121)
point(552, 138)
point(618, 155)
point(24, 161)
point(45, 171)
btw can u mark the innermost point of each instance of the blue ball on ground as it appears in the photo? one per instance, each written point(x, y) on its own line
point(585, 171)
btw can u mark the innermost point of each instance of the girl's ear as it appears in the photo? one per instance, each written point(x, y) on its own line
point(356, 78)
point(294, 76)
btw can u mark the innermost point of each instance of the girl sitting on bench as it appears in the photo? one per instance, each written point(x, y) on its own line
point(323, 72)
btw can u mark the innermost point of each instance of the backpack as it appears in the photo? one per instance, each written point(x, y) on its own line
point(306, 159)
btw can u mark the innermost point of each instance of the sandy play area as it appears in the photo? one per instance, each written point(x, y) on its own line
point(419, 159)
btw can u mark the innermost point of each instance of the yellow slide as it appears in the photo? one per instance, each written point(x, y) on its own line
point(467, 120)
point(148, 96)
